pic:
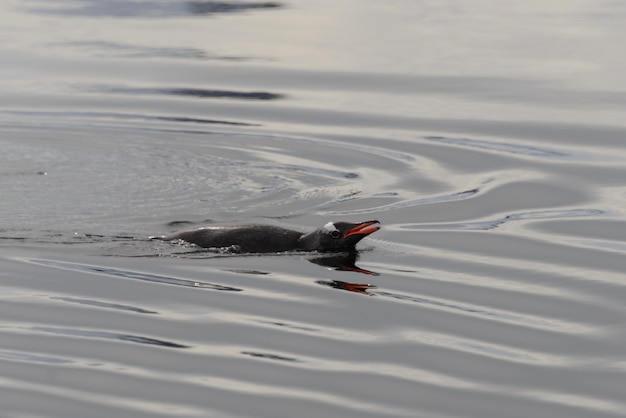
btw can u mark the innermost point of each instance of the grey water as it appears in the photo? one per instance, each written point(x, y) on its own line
point(488, 138)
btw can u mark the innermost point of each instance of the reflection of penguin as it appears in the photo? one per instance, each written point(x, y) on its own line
point(256, 238)
point(343, 262)
point(361, 288)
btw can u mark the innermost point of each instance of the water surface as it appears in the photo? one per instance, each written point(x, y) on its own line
point(487, 139)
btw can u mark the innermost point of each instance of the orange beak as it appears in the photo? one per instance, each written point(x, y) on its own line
point(365, 228)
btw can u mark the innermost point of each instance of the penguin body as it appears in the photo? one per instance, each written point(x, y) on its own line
point(260, 238)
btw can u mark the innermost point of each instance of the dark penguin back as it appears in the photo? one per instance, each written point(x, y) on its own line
point(242, 238)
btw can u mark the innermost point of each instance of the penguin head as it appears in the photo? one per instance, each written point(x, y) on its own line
point(338, 235)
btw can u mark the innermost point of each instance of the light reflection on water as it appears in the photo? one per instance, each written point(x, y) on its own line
point(487, 140)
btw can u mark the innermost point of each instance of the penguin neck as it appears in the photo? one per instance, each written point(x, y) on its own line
point(310, 241)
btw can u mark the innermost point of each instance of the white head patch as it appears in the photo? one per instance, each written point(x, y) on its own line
point(329, 227)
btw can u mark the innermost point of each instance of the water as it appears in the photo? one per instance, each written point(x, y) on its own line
point(487, 139)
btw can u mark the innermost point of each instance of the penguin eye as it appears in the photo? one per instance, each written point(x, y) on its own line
point(335, 234)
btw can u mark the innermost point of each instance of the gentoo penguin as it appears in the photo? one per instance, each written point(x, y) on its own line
point(259, 238)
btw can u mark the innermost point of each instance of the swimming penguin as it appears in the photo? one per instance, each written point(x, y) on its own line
point(259, 238)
